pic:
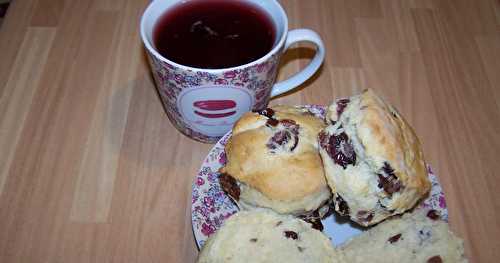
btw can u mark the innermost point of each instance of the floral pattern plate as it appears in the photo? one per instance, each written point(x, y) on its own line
point(210, 206)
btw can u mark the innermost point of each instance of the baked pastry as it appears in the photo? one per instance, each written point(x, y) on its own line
point(264, 236)
point(273, 161)
point(373, 160)
point(419, 237)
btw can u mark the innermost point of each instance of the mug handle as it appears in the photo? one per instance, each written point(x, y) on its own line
point(294, 36)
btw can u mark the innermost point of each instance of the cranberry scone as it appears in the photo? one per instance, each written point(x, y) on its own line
point(373, 160)
point(273, 162)
point(264, 236)
point(419, 237)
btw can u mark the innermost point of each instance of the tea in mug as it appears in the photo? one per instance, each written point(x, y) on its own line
point(214, 34)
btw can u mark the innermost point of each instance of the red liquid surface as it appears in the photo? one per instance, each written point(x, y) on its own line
point(214, 33)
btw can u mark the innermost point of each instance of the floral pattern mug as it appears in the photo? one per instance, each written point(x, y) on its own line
point(205, 103)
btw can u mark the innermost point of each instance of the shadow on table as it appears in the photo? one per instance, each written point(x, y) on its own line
point(294, 55)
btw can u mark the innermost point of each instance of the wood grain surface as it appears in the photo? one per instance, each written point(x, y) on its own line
point(91, 170)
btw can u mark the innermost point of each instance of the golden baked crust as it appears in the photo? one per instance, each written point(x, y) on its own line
point(282, 175)
point(385, 134)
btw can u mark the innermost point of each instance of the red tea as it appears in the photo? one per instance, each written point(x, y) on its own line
point(214, 34)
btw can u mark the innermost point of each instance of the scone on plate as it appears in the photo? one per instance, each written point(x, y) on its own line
point(373, 160)
point(273, 161)
point(264, 236)
point(419, 237)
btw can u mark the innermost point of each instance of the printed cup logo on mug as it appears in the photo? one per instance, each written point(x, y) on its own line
point(214, 60)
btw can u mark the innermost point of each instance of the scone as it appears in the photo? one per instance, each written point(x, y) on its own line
point(373, 160)
point(419, 237)
point(273, 162)
point(264, 236)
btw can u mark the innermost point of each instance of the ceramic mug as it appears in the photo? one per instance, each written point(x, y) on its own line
point(205, 103)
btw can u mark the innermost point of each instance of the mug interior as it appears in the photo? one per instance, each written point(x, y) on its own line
point(157, 8)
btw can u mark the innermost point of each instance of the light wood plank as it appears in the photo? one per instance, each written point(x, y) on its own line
point(399, 21)
point(496, 8)
point(347, 81)
point(110, 5)
point(11, 37)
point(379, 55)
point(490, 55)
point(21, 87)
point(341, 36)
point(368, 8)
point(99, 165)
point(422, 4)
point(47, 13)
point(32, 199)
point(449, 83)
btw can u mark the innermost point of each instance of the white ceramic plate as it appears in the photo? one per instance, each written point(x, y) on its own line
point(210, 206)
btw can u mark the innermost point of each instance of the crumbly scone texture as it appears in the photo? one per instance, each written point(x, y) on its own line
point(285, 173)
point(410, 238)
point(265, 236)
point(373, 160)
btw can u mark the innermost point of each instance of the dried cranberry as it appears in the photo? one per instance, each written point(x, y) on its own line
point(364, 216)
point(268, 112)
point(230, 186)
point(341, 206)
point(368, 218)
point(288, 122)
point(390, 183)
point(272, 122)
point(341, 150)
point(289, 135)
point(279, 138)
point(338, 147)
point(291, 234)
point(435, 259)
point(290, 125)
point(341, 104)
point(394, 238)
point(433, 214)
point(323, 140)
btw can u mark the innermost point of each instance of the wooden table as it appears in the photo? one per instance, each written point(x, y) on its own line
point(91, 170)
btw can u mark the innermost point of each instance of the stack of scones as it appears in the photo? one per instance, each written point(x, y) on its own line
point(287, 169)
